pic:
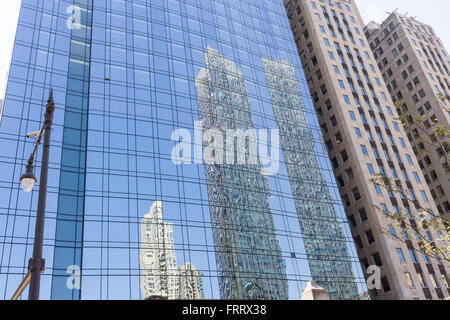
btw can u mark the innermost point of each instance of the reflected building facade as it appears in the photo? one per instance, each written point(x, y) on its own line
point(126, 75)
point(247, 249)
point(160, 276)
point(322, 231)
point(191, 284)
point(158, 260)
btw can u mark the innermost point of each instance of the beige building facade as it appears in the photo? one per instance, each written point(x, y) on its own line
point(357, 117)
point(416, 68)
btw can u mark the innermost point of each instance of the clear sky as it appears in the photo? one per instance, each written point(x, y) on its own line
point(9, 13)
point(435, 15)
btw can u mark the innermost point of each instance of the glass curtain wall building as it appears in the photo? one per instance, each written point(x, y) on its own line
point(186, 162)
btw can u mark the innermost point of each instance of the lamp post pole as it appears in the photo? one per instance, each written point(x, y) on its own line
point(37, 263)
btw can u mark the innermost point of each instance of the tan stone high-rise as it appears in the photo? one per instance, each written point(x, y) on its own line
point(357, 117)
point(416, 69)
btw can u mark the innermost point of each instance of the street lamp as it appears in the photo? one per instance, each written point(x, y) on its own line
point(36, 264)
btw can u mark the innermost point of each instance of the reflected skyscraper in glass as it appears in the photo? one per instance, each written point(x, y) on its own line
point(247, 249)
point(161, 278)
point(191, 284)
point(131, 80)
point(158, 260)
point(322, 231)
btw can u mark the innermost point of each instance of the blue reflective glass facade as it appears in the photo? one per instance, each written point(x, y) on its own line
point(127, 221)
point(72, 187)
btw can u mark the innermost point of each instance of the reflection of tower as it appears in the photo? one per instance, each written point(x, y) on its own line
point(247, 249)
point(191, 284)
point(323, 235)
point(159, 277)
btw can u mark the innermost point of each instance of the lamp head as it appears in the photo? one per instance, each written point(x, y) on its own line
point(28, 180)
